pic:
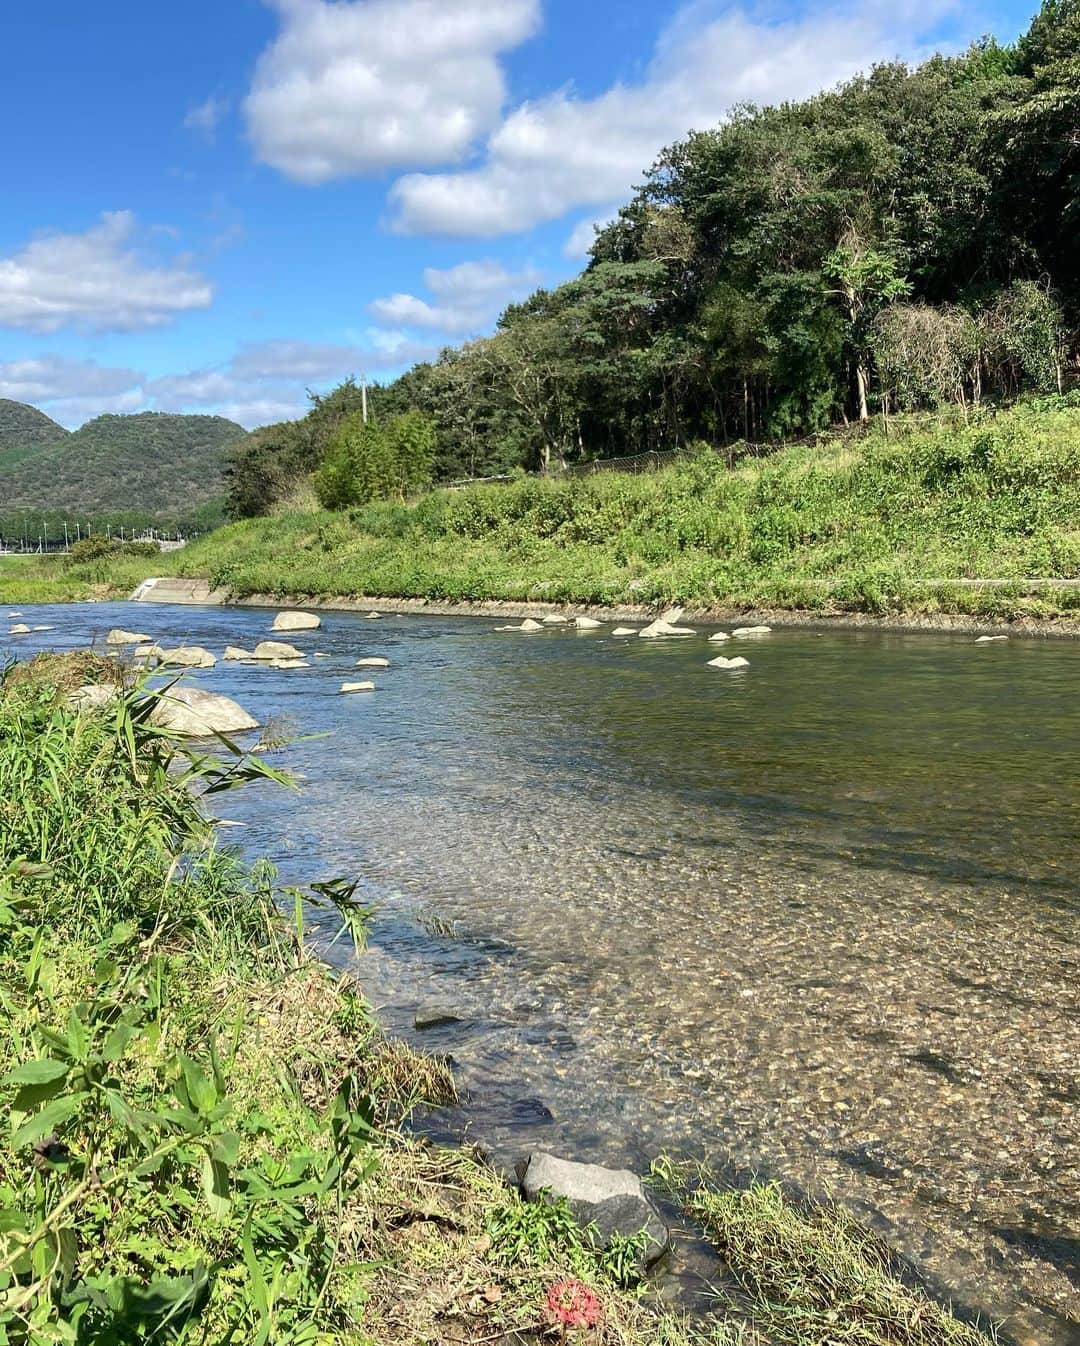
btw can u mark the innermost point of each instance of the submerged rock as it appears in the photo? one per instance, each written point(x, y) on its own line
point(199, 714)
point(372, 663)
point(19, 629)
point(751, 631)
point(118, 636)
point(296, 621)
point(276, 649)
point(288, 663)
point(347, 688)
point(990, 640)
point(612, 1199)
point(187, 656)
point(435, 1018)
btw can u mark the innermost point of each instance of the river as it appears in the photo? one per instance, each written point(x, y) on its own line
point(815, 920)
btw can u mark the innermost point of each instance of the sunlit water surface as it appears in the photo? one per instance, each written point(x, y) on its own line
point(817, 920)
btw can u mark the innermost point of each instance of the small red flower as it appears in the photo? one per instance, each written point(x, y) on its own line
point(572, 1304)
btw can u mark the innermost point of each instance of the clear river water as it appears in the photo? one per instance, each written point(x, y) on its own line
point(816, 920)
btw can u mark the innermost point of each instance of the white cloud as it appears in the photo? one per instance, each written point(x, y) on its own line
point(95, 281)
point(583, 234)
point(563, 151)
point(360, 86)
point(51, 377)
point(206, 116)
point(469, 297)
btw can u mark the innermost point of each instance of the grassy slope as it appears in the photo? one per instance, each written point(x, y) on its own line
point(882, 524)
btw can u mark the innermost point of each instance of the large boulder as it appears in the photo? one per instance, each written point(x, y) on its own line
point(199, 714)
point(276, 649)
point(92, 696)
point(587, 624)
point(611, 1199)
point(187, 656)
point(296, 621)
point(118, 636)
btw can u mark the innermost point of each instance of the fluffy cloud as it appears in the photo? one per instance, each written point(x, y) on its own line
point(359, 86)
point(94, 281)
point(468, 298)
point(50, 378)
point(563, 152)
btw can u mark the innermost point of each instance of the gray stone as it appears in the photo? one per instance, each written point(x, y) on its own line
point(348, 688)
point(625, 631)
point(737, 662)
point(199, 714)
point(990, 640)
point(587, 624)
point(371, 663)
point(612, 1199)
point(296, 621)
point(235, 654)
point(751, 631)
point(719, 637)
point(554, 619)
point(118, 636)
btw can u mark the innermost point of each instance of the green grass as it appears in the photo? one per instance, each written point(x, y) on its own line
point(878, 524)
point(813, 1276)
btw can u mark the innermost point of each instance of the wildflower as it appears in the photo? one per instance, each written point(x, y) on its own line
point(572, 1304)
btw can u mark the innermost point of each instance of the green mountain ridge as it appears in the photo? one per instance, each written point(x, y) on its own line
point(150, 468)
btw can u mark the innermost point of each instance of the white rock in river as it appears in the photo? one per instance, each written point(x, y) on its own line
point(625, 631)
point(555, 619)
point(288, 663)
point(737, 662)
point(44, 628)
point(587, 624)
point(662, 627)
point(529, 625)
point(19, 629)
point(276, 649)
point(989, 640)
point(118, 636)
point(349, 687)
point(372, 663)
point(187, 656)
point(199, 714)
point(235, 655)
point(720, 635)
point(751, 631)
point(13, 615)
point(147, 654)
point(374, 616)
point(296, 621)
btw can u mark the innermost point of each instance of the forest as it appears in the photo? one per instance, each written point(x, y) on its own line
point(905, 241)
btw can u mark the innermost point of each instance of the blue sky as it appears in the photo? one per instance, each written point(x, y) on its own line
point(217, 205)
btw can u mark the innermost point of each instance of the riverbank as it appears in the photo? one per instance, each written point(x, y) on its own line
point(939, 518)
point(176, 1047)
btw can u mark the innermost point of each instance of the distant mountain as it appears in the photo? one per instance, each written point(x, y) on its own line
point(24, 429)
point(152, 467)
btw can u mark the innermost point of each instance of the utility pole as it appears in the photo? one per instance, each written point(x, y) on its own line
point(363, 396)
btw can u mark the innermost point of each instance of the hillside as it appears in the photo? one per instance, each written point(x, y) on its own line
point(879, 523)
point(24, 430)
point(151, 467)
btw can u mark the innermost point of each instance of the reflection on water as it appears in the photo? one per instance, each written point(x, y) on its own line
point(817, 920)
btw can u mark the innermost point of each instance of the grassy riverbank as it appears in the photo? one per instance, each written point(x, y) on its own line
point(205, 1139)
point(880, 524)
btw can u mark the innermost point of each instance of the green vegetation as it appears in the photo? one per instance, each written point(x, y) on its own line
point(813, 1276)
point(150, 469)
point(865, 523)
point(371, 460)
point(903, 242)
point(202, 1140)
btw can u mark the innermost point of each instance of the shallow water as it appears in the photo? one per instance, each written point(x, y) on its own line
point(816, 920)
